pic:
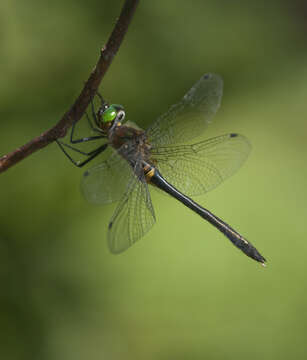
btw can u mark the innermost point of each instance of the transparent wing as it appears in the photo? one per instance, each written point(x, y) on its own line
point(198, 168)
point(187, 119)
point(106, 182)
point(134, 215)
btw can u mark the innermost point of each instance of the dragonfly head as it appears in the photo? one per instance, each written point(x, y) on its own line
point(111, 115)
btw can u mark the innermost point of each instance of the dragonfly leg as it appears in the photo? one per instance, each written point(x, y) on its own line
point(91, 124)
point(91, 155)
point(94, 113)
point(101, 98)
point(90, 138)
point(61, 144)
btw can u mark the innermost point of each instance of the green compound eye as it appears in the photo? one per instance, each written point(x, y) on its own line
point(109, 114)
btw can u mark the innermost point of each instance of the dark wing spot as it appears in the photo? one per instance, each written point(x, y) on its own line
point(207, 76)
point(110, 225)
point(86, 173)
point(234, 135)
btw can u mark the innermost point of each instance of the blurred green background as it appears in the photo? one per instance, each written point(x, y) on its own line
point(183, 292)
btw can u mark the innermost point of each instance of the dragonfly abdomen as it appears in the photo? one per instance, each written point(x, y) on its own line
point(239, 241)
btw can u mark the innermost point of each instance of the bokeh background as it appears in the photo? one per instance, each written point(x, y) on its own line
point(183, 292)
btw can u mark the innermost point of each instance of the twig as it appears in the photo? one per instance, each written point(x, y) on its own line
point(78, 108)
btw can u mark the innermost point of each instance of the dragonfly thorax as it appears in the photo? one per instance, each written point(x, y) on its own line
point(131, 144)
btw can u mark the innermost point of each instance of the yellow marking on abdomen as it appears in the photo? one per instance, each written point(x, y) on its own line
point(149, 174)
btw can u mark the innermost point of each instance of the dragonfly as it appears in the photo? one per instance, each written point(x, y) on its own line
point(160, 157)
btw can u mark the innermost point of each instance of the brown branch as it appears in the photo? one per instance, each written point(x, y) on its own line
point(89, 90)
